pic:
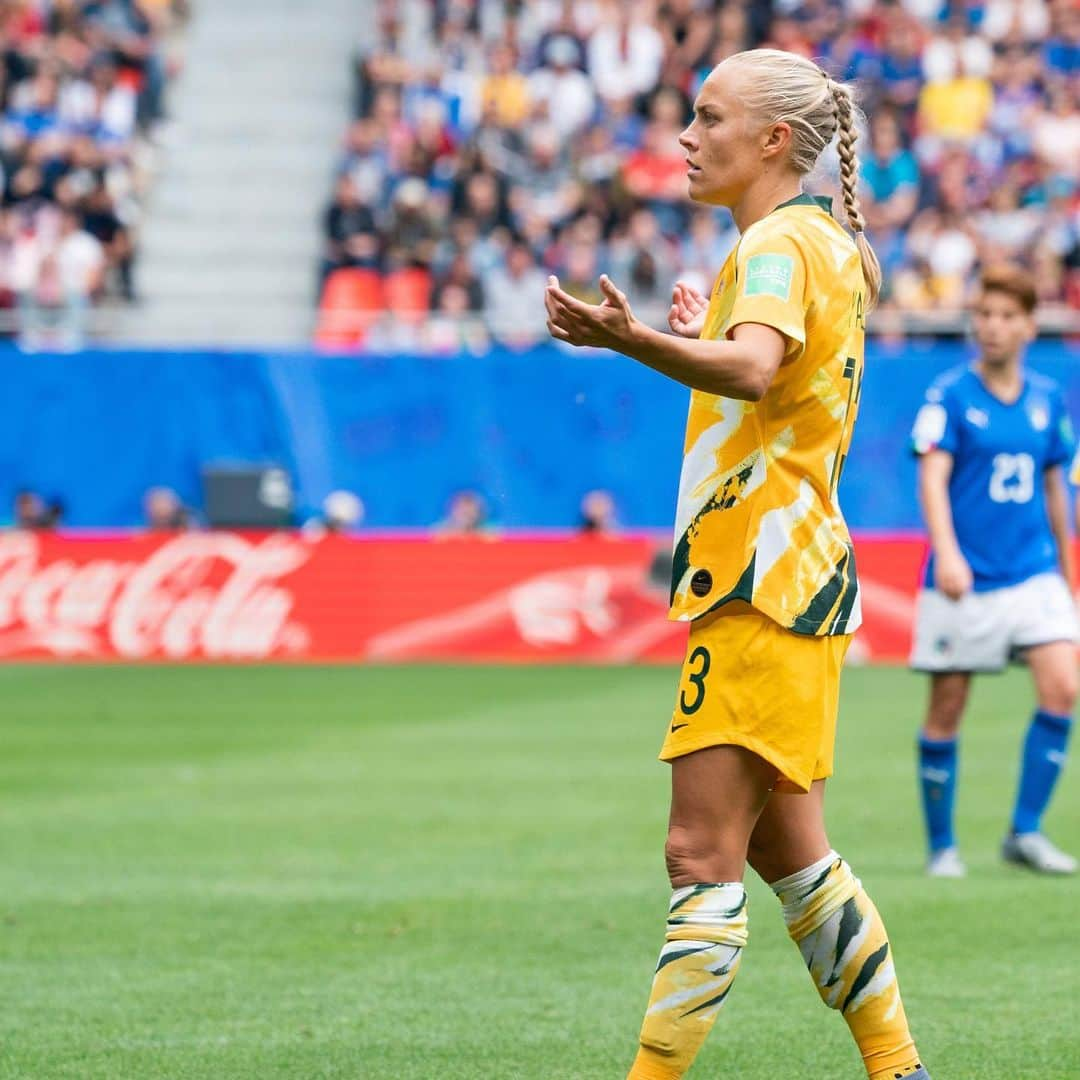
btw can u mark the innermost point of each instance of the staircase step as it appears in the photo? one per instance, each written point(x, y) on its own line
point(231, 237)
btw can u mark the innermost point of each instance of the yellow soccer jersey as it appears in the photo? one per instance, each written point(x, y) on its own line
point(757, 518)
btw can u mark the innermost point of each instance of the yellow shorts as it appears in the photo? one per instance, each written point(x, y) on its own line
point(747, 681)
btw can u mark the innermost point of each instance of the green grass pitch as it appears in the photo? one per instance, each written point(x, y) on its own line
point(439, 873)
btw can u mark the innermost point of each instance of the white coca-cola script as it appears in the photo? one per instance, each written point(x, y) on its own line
point(212, 595)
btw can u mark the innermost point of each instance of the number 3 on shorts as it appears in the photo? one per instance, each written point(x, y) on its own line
point(697, 680)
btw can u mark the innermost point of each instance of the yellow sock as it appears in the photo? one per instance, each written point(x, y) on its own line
point(706, 932)
point(842, 939)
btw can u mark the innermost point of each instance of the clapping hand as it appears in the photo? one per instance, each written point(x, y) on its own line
point(687, 315)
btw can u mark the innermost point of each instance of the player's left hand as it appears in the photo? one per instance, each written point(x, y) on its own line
point(607, 325)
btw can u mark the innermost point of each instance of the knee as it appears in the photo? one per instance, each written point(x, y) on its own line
point(944, 716)
point(769, 862)
point(1059, 697)
point(695, 856)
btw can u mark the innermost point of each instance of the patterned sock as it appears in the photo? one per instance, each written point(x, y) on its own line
point(842, 940)
point(706, 932)
point(1044, 755)
point(937, 775)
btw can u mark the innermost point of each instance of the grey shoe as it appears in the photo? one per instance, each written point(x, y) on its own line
point(946, 863)
point(1035, 851)
point(919, 1074)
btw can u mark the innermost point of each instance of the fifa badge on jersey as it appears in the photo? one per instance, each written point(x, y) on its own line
point(1039, 417)
point(929, 427)
point(769, 275)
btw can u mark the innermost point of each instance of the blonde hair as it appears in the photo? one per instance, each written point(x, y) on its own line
point(786, 88)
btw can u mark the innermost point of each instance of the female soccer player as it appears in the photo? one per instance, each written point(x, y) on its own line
point(993, 443)
point(763, 564)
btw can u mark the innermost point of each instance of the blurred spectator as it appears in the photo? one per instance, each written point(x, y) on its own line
point(1055, 134)
point(562, 91)
point(625, 53)
point(102, 221)
point(598, 513)
point(1025, 20)
point(454, 327)
point(54, 514)
point(30, 511)
point(705, 247)
point(644, 260)
point(349, 229)
point(556, 122)
point(656, 172)
point(466, 516)
point(890, 175)
point(164, 510)
point(505, 95)
point(955, 102)
point(58, 270)
point(460, 276)
point(81, 98)
point(342, 512)
point(514, 294)
point(581, 274)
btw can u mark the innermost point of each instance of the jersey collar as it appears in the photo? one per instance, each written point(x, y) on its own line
point(823, 202)
point(977, 376)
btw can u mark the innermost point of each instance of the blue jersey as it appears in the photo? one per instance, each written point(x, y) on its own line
point(1000, 452)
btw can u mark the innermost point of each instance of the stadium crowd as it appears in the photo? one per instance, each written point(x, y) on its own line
point(81, 86)
point(494, 143)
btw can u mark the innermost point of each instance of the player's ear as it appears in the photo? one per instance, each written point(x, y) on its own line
point(776, 138)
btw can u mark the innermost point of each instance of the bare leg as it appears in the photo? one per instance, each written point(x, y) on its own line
point(1053, 668)
point(717, 795)
point(948, 698)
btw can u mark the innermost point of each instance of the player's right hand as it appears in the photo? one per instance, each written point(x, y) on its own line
point(952, 575)
point(687, 314)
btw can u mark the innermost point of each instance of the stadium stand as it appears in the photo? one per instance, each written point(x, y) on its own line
point(82, 92)
point(494, 142)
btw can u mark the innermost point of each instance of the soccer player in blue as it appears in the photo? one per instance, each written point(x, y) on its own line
point(993, 441)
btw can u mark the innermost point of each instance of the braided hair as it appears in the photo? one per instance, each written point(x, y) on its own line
point(846, 135)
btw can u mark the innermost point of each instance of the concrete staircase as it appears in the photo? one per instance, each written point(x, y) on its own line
point(230, 241)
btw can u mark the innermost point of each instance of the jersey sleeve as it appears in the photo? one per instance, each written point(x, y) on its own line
point(1062, 440)
point(770, 286)
point(937, 423)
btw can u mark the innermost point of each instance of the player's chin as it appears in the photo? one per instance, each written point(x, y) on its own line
point(701, 190)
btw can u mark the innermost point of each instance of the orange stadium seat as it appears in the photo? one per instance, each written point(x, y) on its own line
point(408, 293)
point(352, 299)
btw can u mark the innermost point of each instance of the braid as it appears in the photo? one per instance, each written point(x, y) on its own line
point(849, 160)
point(844, 107)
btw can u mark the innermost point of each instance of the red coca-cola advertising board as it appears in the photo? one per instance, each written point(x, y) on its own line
point(226, 596)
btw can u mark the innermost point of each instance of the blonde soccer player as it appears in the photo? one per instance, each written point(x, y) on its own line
point(763, 564)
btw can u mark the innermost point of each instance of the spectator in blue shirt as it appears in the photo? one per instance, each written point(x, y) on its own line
point(1061, 53)
point(891, 175)
point(901, 62)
